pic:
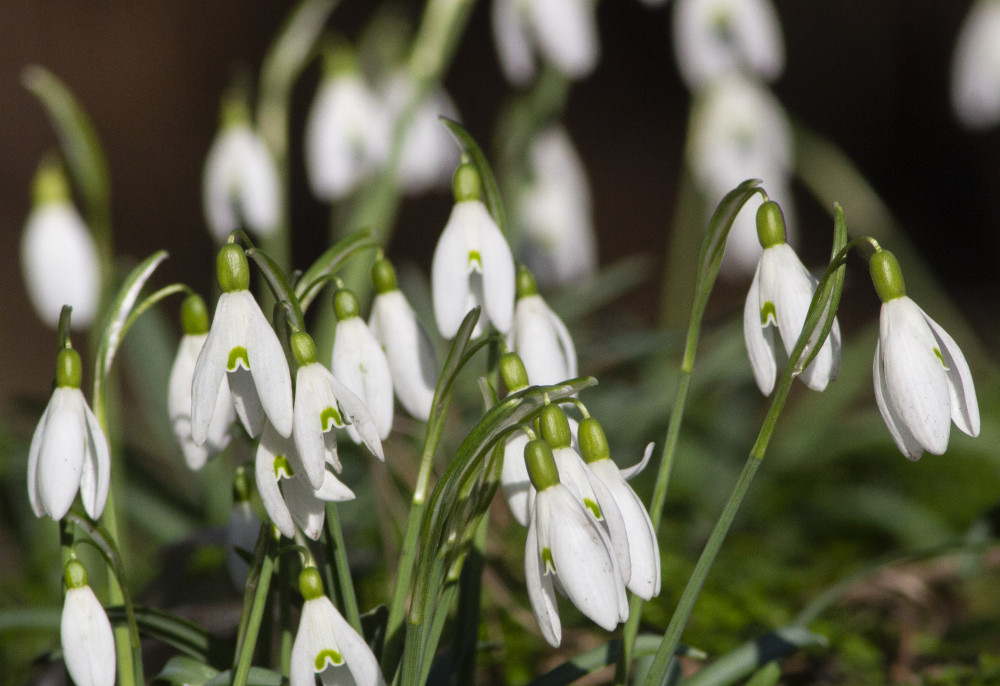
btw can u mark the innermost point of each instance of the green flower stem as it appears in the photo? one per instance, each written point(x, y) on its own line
point(254, 602)
point(335, 549)
point(285, 580)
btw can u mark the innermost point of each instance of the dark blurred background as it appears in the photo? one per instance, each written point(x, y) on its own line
point(872, 76)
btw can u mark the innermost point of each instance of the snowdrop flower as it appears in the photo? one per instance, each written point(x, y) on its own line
point(242, 349)
point(326, 644)
point(240, 183)
point(322, 405)
point(555, 212)
point(713, 38)
point(539, 336)
point(739, 131)
point(975, 71)
point(69, 451)
point(564, 32)
point(922, 381)
point(407, 346)
point(87, 642)
point(643, 548)
point(567, 549)
point(194, 319)
point(360, 364)
point(472, 264)
point(346, 135)
point(58, 255)
point(288, 496)
point(779, 298)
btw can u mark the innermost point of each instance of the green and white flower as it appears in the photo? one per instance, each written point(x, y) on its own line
point(87, 641)
point(539, 336)
point(975, 70)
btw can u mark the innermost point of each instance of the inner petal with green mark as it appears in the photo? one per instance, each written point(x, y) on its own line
point(238, 357)
point(282, 470)
point(767, 314)
point(940, 357)
point(329, 419)
point(594, 508)
point(475, 261)
point(550, 565)
point(328, 656)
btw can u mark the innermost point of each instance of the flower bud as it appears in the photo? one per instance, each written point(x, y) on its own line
point(194, 315)
point(466, 184)
point(555, 427)
point(232, 269)
point(593, 442)
point(525, 283)
point(345, 305)
point(770, 224)
point(541, 465)
point(512, 371)
point(886, 276)
point(310, 583)
point(303, 348)
point(75, 574)
point(69, 369)
point(384, 276)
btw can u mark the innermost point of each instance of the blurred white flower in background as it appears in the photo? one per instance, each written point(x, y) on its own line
point(562, 32)
point(975, 71)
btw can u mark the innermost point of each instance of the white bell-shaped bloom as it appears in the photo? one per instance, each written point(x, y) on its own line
point(922, 381)
point(539, 336)
point(360, 364)
point(472, 265)
point(69, 451)
point(326, 645)
point(286, 491)
point(514, 480)
point(346, 135)
point(407, 345)
point(179, 405)
point(322, 405)
point(714, 38)
point(779, 298)
point(243, 348)
point(555, 213)
point(240, 184)
point(563, 32)
point(87, 641)
point(975, 71)
point(739, 131)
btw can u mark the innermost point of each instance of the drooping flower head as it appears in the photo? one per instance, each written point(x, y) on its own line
point(779, 299)
point(975, 70)
point(87, 641)
point(539, 336)
point(326, 645)
point(407, 345)
point(240, 183)
point(58, 255)
point(242, 349)
point(922, 381)
point(69, 451)
point(472, 264)
point(194, 321)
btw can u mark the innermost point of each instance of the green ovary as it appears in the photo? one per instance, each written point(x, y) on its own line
point(328, 654)
point(236, 356)
point(330, 418)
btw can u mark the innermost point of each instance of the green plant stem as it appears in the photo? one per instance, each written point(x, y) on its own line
point(285, 614)
point(335, 546)
point(254, 602)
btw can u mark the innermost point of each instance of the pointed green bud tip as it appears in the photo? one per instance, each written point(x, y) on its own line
point(541, 465)
point(512, 370)
point(593, 442)
point(310, 583)
point(770, 225)
point(886, 276)
point(241, 486)
point(69, 368)
point(525, 283)
point(232, 269)
point(555, 427)
point(50, 185)
point(303, 348)
point(466, 184)
point(194, 315)
point(345, 305)
point(75, 574)
point(384, 276)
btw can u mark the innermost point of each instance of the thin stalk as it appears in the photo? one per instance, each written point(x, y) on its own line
point(254, 602)
point(285, 615)
point(336, 549)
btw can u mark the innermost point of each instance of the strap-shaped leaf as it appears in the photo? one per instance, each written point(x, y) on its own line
point(752, 655)
point(278, 283)
point(319, 273)
point(469, 146)
point(597, 658)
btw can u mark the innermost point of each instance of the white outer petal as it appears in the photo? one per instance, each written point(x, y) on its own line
point(964, 406)
point(313, 395)
point(245, 400)
point(512, 42)
point(360, 364)
point(179, 405)
point(61, 454)
point(60, 265)
point(315, 634)
point(409, 351)
point(361, 420)
point(543, 342)
point(541, 592)
point(514, 479)
point(630, 473)
point(759, 339)
point(269, 368)
point(498, 271)
point(358, 656)
point(228, 330)
point(901, 435)
point(450, 272)
point(271, 446)
point(37, 438)
point(566, 32)
point(87, 641)
point(219, 185)
point(96, 477)
point(975, 72)
point(259, 191)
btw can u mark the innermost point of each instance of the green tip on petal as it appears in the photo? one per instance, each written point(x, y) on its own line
point(384, 276)
point(51, 185)
point(310, 583)
point(466, 184)
point(512, 371)
point(345, 305)
point(194, 315)
point(770, 225)
point(327, 655)
point(69, 368)
point(330, 418)
point(75, 574)
point(303, 348)
point(555, 427)
point(886, 276)
point(282, 469)
point(241, 486)
point(541, 465)
point(525, 283)
point(593, 442)
point(232, 269)
point(237, 356)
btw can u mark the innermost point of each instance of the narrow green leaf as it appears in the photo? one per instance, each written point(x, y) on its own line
point(320, 272)
point(177, 632)
point(753, 655)
point(597, 658)
point(767, 675)
point(469, 146)
point(257, 676)
point(278, 283)
point(183, 670)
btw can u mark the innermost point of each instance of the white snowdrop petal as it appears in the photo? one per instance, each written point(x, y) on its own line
point(615, 525)
point(541, 592)
point(901, 435)
point(566, 31)
point(975, 73)
point(246, 402)
point(267, 482)
point(964, 406)
point(514, 479)
point(96, 477)
point(315, 635)
point(512, 42)
point(228, 331)
point(313, 396)
point(37, 438)
point(542, 341)
point(307, 510)
point(498, 271)
point(218, 187)
point(630, 473)
point(360, 363)
point(358, 657)
point(359, 416)
point(450, 273)
point(259, 192)
point(87, 641)
point(759, 339)
point(269, 368)
point(409, 351)
point(61, 457)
